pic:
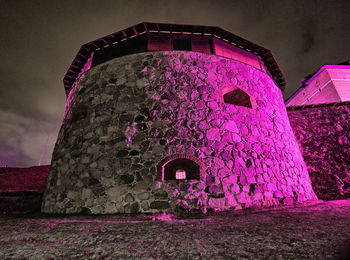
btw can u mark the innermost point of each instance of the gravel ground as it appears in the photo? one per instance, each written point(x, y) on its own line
point(319, 230)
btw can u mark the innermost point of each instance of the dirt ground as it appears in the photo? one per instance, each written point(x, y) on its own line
point(318, 230)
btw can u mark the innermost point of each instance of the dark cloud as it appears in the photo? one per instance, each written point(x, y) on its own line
point(23, 139)
point(39, 40)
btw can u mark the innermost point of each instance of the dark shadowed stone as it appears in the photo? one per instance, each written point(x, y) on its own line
point(132, 208)
point(136, 166)
point(161, 195)
point(117, 140)
point(85, 210)
point(112, 80)
point(156, 132)
point(144, 111)
point(139, 137)
point(248, 163)
point(76, 153)
point(184, 186)
point(134, 152)
point(138, 177)
point(53, 179)
point(61, 197)
point(162, 142)
point(214, 189)
point(198, 135)
point(95, 76)
point(217, 195)
point(122, 153)
point(93, 181)
point(99, 190)
point(159, 205)
point(123, 119)
point(139, 119)
point(209, 180)
point(144, 146)
point(171, 133)
point(252, 188)
point(141, 127)
point(152, 170)
point(127, 178)
point(125, 162)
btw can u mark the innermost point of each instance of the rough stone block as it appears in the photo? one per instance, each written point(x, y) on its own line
point(132, 208)
point(268, 195)
point(143, 195)
point(213, 134)
point(219, 203)
point(161, 195)
point(278, 194)
point(231, 179)
point(159, 204)
point(243, 197)
point(231, 126)
point(258, 196)
point(288, 201)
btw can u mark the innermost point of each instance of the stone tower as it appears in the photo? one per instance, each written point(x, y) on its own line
point(160, 117)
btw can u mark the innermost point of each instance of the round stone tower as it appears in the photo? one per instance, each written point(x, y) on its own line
point(160, 117)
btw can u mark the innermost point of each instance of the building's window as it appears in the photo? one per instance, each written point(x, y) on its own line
point(183, 44)
point(236, 96)
point(180, 167)
point(180, 174)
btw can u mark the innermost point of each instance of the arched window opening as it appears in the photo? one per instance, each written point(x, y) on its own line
point(181, 169)
point(234, 95)
point(238, 97)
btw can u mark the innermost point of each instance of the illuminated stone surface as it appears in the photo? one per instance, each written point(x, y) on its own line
point(324, 136)
point(124, 116)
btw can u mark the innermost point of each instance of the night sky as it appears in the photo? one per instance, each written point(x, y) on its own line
point(39, 40)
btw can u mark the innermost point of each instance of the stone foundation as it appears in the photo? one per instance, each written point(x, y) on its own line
point(124, 117)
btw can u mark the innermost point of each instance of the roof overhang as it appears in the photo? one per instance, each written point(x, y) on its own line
point(83, 59)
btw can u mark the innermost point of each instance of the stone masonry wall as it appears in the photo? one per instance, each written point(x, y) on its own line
point(324, 138)
point(125, 116)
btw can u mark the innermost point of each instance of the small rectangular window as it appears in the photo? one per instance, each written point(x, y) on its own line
point(180, 174)
point(183, 44)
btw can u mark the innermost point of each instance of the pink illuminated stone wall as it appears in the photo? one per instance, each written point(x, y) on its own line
point(324, 137)
point(125, 117)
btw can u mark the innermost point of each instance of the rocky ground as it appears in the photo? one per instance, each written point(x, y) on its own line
point(319, 230)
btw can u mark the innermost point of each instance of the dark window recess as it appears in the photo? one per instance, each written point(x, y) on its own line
point(211, 46)
point(183, 44)
point(134, 45)
point(182, 169)
point(238, 97)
